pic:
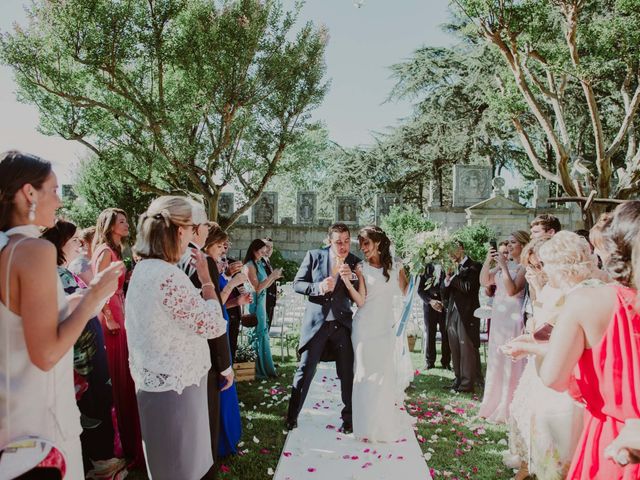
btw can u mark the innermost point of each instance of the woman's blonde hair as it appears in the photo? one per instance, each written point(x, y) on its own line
point(569, 255)
point(158, 228)
point(532, 248)
point(521, 237)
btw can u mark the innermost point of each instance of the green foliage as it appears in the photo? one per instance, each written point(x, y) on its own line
point(245, 353)
point(177, 96)
point(401, 224)
point(289, 267)
point(475, 239)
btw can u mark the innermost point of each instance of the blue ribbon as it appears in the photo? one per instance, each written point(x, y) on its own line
point(408, 303)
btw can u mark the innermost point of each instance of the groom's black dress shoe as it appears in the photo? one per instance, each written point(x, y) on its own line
point(347, 427)
point(291, 424)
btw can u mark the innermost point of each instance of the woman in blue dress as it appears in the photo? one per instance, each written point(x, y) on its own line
point(230, 431)
point(259, 280)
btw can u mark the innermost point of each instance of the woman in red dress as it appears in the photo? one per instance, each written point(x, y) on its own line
point(111, 228)
point(594, 352)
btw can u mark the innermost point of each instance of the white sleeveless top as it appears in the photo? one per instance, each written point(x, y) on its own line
point(34, 402)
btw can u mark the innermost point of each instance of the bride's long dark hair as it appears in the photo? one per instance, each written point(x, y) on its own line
point(376, 234)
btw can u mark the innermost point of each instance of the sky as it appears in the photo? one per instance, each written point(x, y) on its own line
point(364, 42)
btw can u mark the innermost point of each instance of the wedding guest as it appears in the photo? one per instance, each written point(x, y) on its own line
point(460, 291)
point(92, 382)
point(594, 349)
point(600, 333)
point(507, 323)
point(429, 290)
point(230, 425)
point(220, 376)
point(272, 290)
point(38, 396)
point(111, 228)
point(549, 422)
point(81, 265)
point(259, 336)
point(545, 224)
point(169, 322)
point(596, 237)
point(235, 312)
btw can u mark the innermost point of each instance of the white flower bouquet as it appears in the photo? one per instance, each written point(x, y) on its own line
point(430, 247)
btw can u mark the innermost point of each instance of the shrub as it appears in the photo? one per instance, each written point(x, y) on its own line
point(289, 267)
point(245, 353)
point(475, 239)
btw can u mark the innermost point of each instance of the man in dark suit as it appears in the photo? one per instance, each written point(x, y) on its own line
point(325, 332)
point(221, 369)
point(460, 290)
point(434, 318)
point(272, 290)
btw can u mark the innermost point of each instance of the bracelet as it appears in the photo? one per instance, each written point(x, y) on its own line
point(207, 284)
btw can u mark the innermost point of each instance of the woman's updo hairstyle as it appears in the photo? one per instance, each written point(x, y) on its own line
point(16, 170)
point(569, 255)
point(377, 235)
point(158, 228)
point(620, 236)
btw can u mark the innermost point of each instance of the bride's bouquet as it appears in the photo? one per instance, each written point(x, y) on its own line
point(430, 247)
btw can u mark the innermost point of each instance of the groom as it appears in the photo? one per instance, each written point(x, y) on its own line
point(325, 333)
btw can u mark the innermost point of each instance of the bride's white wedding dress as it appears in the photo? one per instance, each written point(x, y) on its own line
point(379, 378)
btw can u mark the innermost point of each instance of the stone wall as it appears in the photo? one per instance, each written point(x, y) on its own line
point(502, 214)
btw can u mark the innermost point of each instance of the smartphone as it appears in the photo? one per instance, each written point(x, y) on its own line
point(493, 244)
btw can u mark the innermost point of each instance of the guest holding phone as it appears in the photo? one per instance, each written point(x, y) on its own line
point(508, 277)
point(260, 281)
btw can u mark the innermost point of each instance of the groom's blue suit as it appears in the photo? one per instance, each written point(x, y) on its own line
point(322, 339)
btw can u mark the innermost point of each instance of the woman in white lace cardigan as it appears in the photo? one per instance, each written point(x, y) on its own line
point(168, 323)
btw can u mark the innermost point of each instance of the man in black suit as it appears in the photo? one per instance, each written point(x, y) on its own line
point(272, 290)
point(221, 368)
point(430, 291)
point(460, 291)
point(325, 333)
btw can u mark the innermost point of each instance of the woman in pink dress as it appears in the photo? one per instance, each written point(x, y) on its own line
point(503, 374)
point(111, 228)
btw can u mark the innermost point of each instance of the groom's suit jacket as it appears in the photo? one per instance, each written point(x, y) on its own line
point(463, 293)
point(313, 270)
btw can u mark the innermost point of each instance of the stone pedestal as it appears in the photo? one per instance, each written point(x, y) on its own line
point(226, 204)
point(541, 193)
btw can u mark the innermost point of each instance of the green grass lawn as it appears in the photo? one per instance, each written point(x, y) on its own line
point(455, 444)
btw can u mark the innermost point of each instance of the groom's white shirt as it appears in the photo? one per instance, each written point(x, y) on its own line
point(332, 263)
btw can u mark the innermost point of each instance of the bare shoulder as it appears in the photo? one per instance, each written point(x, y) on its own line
point(34, 250)
point(590, 302)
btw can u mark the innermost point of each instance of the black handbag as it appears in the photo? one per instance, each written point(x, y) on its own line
point(249, 320)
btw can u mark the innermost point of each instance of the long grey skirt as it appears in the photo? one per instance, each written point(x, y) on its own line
point(175, 433)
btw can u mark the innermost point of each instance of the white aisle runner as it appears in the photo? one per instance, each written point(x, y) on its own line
point(316, 450)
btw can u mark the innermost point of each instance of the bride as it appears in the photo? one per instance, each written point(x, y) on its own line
point(377, 389)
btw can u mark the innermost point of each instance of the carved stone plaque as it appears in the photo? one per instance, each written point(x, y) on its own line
point(471, 184)
point(347, 210)
point(226, 205)
point(306, 208)
point(541, 193)
point(265, 210)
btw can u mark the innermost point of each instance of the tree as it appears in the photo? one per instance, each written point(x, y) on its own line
point(573, 83)
point(181, 96)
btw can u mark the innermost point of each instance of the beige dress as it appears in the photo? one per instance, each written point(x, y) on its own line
point(34, 402)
